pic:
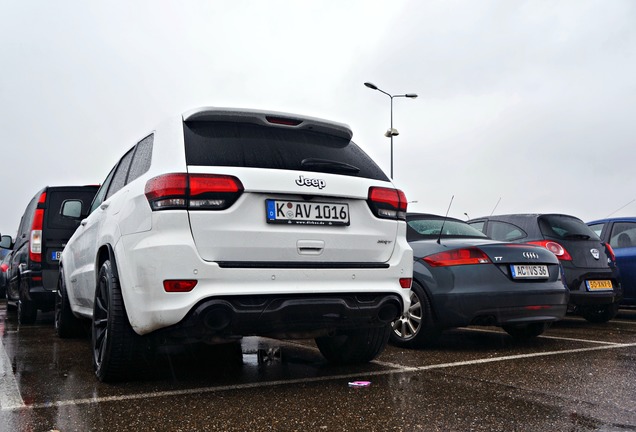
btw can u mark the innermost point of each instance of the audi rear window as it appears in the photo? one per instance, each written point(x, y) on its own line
point(565, 228)
point(256, 146)
point(420, 229)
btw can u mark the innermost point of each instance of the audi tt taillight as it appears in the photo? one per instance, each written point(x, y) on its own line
point(467, 256)
point(35, 244)
point(387, 203)
point(193, 191)
point(555, 248)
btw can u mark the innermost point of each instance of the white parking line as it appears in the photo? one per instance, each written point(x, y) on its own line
point(545, 337)
point(397, 369)
point(524, 356)
point(578, 340)
point(622, 322)
point(10, 398)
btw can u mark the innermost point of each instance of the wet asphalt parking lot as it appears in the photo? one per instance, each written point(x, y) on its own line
point(577, 377)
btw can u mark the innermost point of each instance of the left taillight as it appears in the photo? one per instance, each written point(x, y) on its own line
point(193, 191)
point(387, 203)
point(455, 257)
point(35, 241)
point(4, 267)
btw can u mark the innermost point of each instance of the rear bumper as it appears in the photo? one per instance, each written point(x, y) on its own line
point(487, 295)
point(334, 294)
point(575, 278)
point(582, 298)
point(501, 308)
point(289, 316)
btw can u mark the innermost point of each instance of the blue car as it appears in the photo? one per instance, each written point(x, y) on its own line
point(620, 233)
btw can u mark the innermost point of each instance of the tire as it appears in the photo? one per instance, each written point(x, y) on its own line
point(417, 327)
point(118, 352)
point(354, 346)
point(526, 331)
point(599, 314)
point(67, 325)
point(27, 309)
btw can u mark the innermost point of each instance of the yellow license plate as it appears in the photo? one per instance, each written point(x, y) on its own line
point(597, 285)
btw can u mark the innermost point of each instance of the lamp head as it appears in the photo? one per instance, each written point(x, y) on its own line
point(371, 85)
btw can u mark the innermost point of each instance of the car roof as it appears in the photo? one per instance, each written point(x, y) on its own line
point(615, 219)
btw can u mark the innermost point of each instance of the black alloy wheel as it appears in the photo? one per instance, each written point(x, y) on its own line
point(117, 349)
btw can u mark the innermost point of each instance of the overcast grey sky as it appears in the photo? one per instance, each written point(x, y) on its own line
point(530, 102)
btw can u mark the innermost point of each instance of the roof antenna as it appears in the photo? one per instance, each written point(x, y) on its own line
point(439, 239)
point(493, 210)
point(616, 211)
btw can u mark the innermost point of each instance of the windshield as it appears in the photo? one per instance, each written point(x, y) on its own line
point(426, 228)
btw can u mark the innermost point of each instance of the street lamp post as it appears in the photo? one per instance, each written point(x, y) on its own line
point(391, 132)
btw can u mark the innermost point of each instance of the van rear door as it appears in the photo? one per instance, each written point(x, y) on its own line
point(57, 229)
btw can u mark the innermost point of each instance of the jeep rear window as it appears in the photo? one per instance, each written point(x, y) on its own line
point(565, 227)
point(54, 207)
point(255, 146)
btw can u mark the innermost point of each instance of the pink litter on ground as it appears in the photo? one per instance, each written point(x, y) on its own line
point(359, 383)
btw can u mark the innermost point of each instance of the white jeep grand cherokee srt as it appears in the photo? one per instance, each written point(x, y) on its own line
point(225, 223)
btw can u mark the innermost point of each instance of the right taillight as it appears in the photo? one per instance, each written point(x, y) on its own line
point(610, 253)
point(193, 191)
point(35, 241)
point(387, 203)
point(555, 248)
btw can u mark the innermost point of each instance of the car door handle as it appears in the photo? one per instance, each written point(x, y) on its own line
point(104, 206)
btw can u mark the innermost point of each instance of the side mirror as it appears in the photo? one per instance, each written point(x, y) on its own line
point(71, 209)
point(6, 242)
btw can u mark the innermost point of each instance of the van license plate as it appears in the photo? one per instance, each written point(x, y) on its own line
point(598, 285)
point(525, 271)
point(306, 213)
point(55, 255)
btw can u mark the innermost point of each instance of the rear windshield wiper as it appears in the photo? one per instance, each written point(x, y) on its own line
point(328, 165)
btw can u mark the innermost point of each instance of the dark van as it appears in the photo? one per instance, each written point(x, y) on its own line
point(43, 233)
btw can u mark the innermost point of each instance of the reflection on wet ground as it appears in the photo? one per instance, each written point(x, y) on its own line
point(580, 376)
